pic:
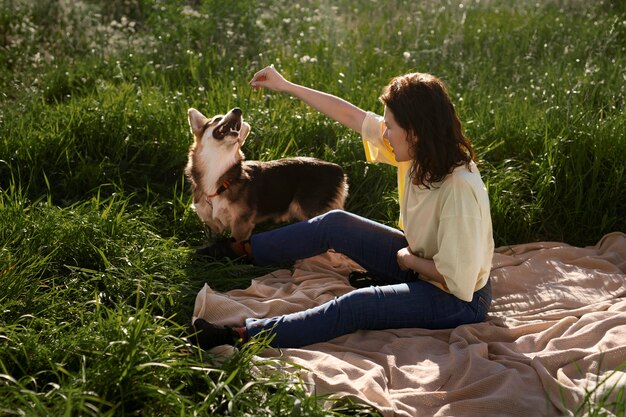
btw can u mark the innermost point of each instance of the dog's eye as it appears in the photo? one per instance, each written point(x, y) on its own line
point(215, 120)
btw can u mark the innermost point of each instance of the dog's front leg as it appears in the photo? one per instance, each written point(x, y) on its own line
point(205, 213)
point(241, 228)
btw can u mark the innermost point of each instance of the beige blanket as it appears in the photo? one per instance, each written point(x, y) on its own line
point(557, 329)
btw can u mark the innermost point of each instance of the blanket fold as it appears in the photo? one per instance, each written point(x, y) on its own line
point(556, 330)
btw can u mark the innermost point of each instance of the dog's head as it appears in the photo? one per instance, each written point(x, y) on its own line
point(216, 148)
point(222, 132)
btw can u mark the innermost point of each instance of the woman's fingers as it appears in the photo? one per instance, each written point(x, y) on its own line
point(257, 81)
point(265, 78)
point(259, 77)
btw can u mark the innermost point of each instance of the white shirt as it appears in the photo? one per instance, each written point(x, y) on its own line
point(449, 223)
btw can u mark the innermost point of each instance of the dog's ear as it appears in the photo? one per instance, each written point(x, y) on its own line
point(243, 133)
point(196, 120)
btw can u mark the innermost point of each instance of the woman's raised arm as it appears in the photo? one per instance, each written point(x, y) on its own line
point(334, 107)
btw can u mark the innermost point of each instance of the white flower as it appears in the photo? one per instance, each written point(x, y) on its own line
point(191, 12)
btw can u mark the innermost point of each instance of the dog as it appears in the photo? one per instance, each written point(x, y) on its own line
point(231, 193)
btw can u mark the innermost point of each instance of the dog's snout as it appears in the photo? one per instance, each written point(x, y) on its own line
point(236, 111)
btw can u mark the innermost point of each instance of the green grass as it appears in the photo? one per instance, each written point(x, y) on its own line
point(97, 278)
point(606, 398)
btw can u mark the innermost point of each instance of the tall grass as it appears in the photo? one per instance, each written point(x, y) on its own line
point(97, 278)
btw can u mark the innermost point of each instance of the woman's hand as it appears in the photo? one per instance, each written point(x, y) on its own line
point(269, 78)
point(404, 256)
point(426, 268)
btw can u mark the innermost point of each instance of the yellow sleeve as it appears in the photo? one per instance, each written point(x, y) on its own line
point(377, 149)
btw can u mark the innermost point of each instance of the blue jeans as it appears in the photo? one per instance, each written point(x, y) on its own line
point(404, 303)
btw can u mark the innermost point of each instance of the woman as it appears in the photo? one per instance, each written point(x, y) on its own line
point(435, 274)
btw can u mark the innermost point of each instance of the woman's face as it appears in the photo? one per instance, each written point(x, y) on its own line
point(398, 138)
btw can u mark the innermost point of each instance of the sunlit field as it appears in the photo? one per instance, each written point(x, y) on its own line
point(98, 273)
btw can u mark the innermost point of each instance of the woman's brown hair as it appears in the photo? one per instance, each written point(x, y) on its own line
point(421, 105)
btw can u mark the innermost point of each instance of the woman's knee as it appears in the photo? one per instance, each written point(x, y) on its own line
point(334, 219)
point(337, 229)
